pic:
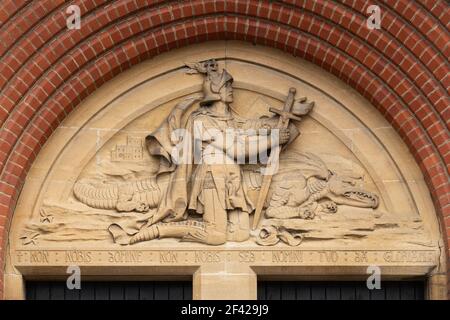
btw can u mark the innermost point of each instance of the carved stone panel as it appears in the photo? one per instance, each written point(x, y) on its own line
point(225, 154)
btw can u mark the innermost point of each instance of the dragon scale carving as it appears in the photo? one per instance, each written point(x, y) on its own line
point(139, 195)
point(291, 194)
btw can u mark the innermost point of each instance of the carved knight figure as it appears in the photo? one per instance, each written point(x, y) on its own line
point(210, 187)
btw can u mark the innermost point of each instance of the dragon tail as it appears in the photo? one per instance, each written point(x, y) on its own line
point(100, 198)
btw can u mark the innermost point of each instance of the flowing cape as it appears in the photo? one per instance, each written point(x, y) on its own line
point(172, 206)
point(162, 143)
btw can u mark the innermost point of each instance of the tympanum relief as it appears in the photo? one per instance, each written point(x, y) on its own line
point(208, 175)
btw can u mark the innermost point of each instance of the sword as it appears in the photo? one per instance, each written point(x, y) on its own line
point(283, 122)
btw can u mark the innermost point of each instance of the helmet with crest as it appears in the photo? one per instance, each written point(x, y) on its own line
point(213, 81)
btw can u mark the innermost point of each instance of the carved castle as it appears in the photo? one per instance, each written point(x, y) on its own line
point(133, 150)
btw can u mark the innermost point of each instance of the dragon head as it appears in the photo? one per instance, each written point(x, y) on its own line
point(343, 190)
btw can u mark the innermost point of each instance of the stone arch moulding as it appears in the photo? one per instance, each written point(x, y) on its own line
point(343, 130)
point(47, 70)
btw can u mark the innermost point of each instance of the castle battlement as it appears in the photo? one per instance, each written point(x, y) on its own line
point(133, 150)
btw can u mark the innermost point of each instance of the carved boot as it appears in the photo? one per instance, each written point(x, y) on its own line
point(238, 226)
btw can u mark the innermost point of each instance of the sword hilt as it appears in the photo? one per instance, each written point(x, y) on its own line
point(285, 114)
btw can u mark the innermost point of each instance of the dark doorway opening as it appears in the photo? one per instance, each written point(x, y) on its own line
point(110, 290)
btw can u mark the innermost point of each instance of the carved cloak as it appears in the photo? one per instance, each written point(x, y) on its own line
point(162, 143)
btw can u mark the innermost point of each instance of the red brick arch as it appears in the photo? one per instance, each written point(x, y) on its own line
point(46, 69)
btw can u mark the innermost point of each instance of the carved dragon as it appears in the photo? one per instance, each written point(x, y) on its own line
point(140, 195)
point(302, 188)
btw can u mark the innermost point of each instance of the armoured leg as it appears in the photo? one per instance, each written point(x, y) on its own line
point(215, 218)
point(238, 226)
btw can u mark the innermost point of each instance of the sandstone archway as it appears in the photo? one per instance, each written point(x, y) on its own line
point(47, 70)
point(102, 140)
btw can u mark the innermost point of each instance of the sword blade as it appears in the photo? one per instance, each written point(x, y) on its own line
point(274, 156)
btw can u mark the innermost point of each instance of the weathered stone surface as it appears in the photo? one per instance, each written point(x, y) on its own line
point(100, 149)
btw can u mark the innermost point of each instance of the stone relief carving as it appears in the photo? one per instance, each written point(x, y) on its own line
point(290, 194)
point(305, 187)
point(214, 188)
point(133, 150)
point(271, 235)
point(138, 195)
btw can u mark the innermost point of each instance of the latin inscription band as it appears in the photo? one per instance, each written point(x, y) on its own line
point(202, 257)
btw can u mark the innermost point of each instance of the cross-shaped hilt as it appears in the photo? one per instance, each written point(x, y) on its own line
point(285, 114)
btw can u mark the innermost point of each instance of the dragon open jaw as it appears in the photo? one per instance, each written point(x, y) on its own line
point(358, 198)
